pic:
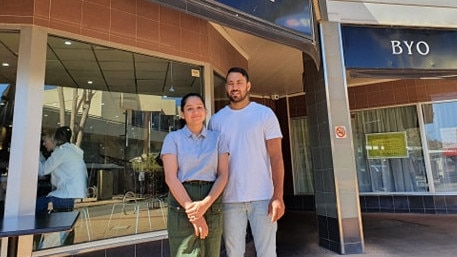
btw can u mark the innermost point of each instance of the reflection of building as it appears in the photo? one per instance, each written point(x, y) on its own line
point(113, 105)
point(107, 116)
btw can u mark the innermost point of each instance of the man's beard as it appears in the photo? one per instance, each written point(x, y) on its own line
point(237, 99)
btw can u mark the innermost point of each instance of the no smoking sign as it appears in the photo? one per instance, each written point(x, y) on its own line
point(340, 132)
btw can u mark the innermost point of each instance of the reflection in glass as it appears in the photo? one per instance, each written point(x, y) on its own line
point(9, 47)
point(291, 14)
point(120, 106)
point(441, 135)
point(389, 174)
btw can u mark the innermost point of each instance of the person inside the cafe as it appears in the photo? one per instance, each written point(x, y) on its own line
point(68, 175)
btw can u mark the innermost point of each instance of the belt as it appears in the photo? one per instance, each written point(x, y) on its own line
point(198, 182)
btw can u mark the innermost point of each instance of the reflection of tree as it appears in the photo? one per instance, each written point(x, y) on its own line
point(414, 141)
point(435, 144)
point(80, 105)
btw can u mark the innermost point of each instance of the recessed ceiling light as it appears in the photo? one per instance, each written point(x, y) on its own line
point(68, 43)
point(5, 64)
point(90, 82)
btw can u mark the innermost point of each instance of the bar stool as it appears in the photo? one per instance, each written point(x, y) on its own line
point(85, 212)
point(152, 204)
point(129, 200)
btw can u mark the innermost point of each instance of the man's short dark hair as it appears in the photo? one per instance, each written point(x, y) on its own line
point(239, 70)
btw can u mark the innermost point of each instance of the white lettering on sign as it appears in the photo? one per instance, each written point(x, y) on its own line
point(410, 47)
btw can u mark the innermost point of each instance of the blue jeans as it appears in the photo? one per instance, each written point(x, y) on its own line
point(236, 217)
point(59, 204)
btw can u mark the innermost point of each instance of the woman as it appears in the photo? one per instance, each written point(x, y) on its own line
point(195, 162)
point(68, 172)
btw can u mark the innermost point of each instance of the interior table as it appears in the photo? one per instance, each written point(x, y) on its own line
point(13, 227)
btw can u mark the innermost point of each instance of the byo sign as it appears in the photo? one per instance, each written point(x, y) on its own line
point(409, 47)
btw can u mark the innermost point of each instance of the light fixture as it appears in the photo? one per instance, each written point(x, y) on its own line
point(172, 89)
point(5, 64)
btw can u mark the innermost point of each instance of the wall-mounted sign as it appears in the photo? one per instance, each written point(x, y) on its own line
point(386, 145)
point(399, 48)
point(340, 132)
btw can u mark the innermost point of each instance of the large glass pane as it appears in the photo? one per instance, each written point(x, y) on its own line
point(220, 95)
point(291, 14)
point(9, 47)
point(441, 135)
point(395, 173)
point(120, 106)
point(301, 157)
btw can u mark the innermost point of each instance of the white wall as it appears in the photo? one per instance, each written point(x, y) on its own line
point(415, 13)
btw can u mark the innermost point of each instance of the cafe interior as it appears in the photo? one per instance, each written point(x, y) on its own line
point(120, 105)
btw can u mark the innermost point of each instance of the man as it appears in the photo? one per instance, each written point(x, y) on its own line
point(254, 191)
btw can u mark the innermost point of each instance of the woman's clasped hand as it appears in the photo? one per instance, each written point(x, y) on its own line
point(195, 212)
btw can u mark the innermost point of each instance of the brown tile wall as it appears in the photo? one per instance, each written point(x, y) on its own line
point(388, 94)
point(401, 92)
point(19, 11)
point(297, 106)
point(136, 23)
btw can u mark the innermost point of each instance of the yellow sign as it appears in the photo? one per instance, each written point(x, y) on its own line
point(386, 145)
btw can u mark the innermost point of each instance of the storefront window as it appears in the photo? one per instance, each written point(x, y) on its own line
point(301, 159)
point(402, 169)
point(220, 95)
point(120, 106)
point(441, 134)
point(9, 47)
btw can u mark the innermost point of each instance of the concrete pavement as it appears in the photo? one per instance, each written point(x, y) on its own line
point(386, 234)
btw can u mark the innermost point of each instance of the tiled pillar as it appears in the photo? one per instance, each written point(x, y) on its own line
point(336, 191)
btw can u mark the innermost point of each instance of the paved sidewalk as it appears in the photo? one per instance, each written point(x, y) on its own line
point(386, 234)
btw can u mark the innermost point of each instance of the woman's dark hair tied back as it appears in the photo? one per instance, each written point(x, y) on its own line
point(184, 99)
point(63, 135)
point(182, 122)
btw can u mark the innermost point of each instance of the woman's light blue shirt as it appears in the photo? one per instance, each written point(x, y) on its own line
point(197, 154)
